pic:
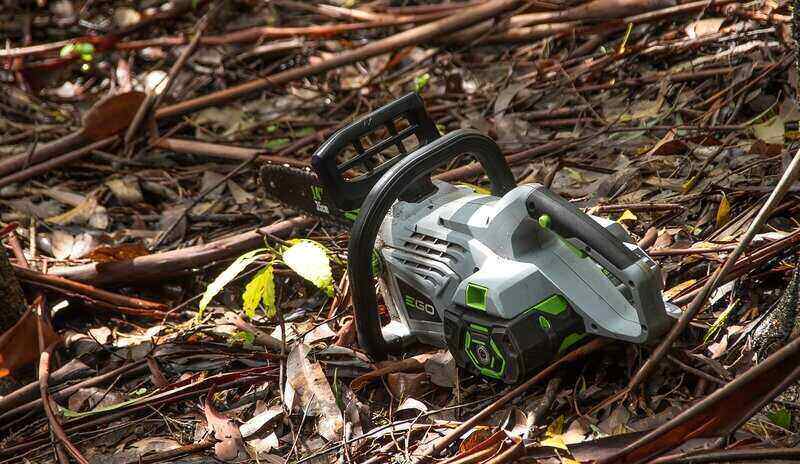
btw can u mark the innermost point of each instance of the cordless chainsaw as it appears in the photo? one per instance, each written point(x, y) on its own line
point(506, 281)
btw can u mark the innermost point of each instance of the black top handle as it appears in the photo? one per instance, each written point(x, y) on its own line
point(348, 194)
point(569, 222)
point(411, 170)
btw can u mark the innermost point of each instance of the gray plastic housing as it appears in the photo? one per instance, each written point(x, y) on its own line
point(457, 237)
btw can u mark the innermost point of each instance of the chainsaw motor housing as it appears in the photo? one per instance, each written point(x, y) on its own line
point(506, 280)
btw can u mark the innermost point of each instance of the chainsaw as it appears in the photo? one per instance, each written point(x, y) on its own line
point(506, 279)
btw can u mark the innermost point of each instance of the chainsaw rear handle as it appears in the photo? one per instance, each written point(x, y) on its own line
point(411, 170)
point(638, 274)
point(569, 222)
point(348, 194)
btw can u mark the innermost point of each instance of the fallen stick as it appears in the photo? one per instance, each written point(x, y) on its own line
point(788, 178)
point(414, 36)
point(216, 150)
point(56, 161)
point(104, 119)
point(454, 434)
point(161, 265)
point(88, 290)
point(73, 370)
point(106, 41)
point(716, 415)
point(153, 98)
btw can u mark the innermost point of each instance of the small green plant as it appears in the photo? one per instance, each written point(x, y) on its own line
point(84, 50)
point(309, 259)
point(421, 81)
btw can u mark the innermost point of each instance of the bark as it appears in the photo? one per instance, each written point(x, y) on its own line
point(167, 264)
point(12, 301)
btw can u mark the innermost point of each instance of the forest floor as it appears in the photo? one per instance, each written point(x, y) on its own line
point(131, 138)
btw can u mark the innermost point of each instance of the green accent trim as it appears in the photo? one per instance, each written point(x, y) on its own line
point(570, 340)
point(544, 323)
point(488, 372)
point(575, 250)
point(476, 297)
point(352, 214)
point(545, 221)
point(316, 192)
point(479, 328)
point(553, 305)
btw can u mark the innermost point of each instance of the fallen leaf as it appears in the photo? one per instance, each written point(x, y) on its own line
point(114, 253)
point(261, 446)
point(724, 211)
point(126, 190)
point(94, 397)
point(704, 27)
point(308, 381)
point(553, 436)
point(126, 17)
point(770, 131)
point(19, 345)
point(230, 444)
point(403, 385)
point(61, 243)
point(442, 368)
point(259, 421)
point(627, 215)
point(240, 195)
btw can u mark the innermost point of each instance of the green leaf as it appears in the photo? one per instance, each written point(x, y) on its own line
point(226, 276)
point(720, 322)
point(276, 144)
point(421, 81)
point(260, 289)
point(243, 336)
point(66, 50)
point(83, 48)
point(310, 260)
point(782, 418)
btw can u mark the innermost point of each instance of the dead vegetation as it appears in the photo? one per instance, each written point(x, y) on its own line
point(130, 138)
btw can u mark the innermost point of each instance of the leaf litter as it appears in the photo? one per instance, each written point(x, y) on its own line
point(680, 124)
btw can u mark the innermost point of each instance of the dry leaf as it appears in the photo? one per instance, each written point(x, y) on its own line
point(724, 211)
point(259, 421)
point(678, 289)
point(230, 444)
point(126, 190)
point(404, 385)
point(309, 382)
point(19, 345)
point(113, 253)
point(704, 27)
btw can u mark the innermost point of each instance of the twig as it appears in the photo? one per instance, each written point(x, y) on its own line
point(414, 36)
point(153, 99)
point(584, 350)
point(199, 197)
point(44, 376)
point(787, 179)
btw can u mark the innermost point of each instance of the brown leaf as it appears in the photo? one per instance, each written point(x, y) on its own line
point(404, 385)
point(19, 345)
point(111, 114)
point(316, 395)
point(412, 364)
point(230, 443)
point(113, 253)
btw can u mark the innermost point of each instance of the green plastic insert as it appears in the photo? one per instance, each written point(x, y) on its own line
point(492, 371)
point(476, 297)
point(555, 305)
